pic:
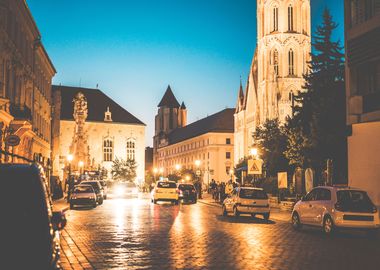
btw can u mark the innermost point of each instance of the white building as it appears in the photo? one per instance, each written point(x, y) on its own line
point(109, 130)
point(280, 60)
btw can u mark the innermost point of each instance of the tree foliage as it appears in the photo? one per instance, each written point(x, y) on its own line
point(271, 141)
point(124, 170)
point(317, 130)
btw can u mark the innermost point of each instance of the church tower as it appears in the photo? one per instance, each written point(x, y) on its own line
point(283, 48)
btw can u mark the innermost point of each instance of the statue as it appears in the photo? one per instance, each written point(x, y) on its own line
point(79, 147)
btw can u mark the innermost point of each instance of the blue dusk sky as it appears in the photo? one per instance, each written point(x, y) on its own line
point(134, 49)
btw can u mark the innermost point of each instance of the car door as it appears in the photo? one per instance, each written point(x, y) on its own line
point(230, 200)
point(323, 198)
point(306, 207)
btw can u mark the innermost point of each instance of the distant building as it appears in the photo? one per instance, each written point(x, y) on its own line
point(95, 130)
point(209, 140)
point(280, 60)
point(362, 43)
point(25, 84)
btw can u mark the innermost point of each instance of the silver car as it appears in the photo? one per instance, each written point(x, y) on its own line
point(331, 207)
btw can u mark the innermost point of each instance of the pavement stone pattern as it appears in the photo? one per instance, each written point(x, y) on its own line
point(136, 234)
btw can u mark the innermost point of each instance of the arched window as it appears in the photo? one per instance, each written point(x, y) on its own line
point(291, 62)
point(275, 19)
point(275, 62)
point(131, 149)
point(290, 18)
point(107, 150)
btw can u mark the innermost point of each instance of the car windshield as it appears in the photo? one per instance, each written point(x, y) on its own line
point(103, 183)
point(354, 200)
point(83, 189)
point(94, 185)
point(166, 185)
point(186, 187)
point(252, 194)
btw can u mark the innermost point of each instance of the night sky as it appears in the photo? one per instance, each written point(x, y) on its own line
point(134, 49)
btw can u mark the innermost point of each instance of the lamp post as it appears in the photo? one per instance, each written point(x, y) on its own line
point(254, 154)
point(198, 173)
point(155, 171)
point(69, 183)
point(69, 159)
point(81, 163)
point(178, 169)
point(161, 170)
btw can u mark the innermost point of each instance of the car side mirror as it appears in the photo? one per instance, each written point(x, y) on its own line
point(58, 220)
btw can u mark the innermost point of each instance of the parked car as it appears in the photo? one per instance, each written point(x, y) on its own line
point(103, 183)
point(29, 228)
point(97, 188)
point(331, 207)
point(165, 191)
point(187, 192)
point(247, 200)
point(125, 189)
point(83, 195)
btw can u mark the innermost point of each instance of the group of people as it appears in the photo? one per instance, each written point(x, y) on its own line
point(220, 190)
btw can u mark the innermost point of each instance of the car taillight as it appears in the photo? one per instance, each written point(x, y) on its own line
point(338, 207)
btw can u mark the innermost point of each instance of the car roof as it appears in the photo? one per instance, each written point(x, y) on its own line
point(162, 181)
point(339, 187)
point(255, 188)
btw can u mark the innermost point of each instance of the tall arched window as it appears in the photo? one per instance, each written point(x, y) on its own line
point(290, 18)
point(274, 61)
point(291, 62)
point(275, 19)
point(131, 149)
point(107, 150)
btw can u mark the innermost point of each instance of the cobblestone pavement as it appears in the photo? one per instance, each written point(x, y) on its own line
point(135, 234)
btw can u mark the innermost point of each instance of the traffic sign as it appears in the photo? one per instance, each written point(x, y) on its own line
point(255, 166)
point(12, 140)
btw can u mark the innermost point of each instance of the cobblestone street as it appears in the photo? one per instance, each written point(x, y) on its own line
point(135, 234)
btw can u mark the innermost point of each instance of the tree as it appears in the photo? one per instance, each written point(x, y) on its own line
point(271, 141)
point(124, 170)
point(317, 130)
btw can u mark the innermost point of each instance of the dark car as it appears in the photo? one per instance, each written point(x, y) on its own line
point(97, 188)
point(29, 229)
point(83, 195)
point(187, 192)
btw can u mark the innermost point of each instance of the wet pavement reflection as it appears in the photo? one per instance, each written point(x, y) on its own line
point(136, 234)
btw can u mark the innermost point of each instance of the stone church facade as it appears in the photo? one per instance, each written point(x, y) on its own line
point(282, 51)
point(95, 130)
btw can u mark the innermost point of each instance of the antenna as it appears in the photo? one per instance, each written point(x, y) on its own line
point(80, 82)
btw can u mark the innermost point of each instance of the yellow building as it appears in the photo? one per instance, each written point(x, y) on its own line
point(206, 145)
point(25, 84)
point(280, 60)
point(362, 43)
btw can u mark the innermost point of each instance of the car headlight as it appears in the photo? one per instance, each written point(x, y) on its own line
point(119, 191)
point(73, 197)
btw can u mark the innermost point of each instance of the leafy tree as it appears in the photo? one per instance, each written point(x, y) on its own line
point(317, 130)
point(271, 141)
point(124, 170)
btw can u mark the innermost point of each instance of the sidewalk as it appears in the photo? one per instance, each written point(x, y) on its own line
point(276, 212)
point(60, 205)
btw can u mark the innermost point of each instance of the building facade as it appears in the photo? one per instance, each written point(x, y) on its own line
point(206, 145)
point(95, 130)
point(362, 43)
point(26, 73)
point(282, 51)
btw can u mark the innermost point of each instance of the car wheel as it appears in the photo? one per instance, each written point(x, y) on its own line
point(94, 205)
point(224, 211)
point(100, 201)
point(296, 223)
point(155, 201)
point(253, 215)
point(328, 225)
point(176, 202)
point(105, 197)
point(236, 212)
point(266, 216)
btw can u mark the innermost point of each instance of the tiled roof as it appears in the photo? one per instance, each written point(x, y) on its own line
point(222, 122)
point(169, 100)
point(97, 103)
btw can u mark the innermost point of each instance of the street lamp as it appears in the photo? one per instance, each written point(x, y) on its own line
point(69, 159)
point(81, 163)
point(178, 167)
point(155, 171)
point(161, 170)
point(253, 152)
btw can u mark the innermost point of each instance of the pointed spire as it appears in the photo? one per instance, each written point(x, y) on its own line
point(183, 106)
point(169, 100)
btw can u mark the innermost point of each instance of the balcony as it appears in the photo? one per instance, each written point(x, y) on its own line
point(20, 112)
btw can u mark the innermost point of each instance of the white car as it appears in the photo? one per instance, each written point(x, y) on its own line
point(165, 191)
point(83, 195)
point(247, 200)
point(125, 190)
point(333, 207)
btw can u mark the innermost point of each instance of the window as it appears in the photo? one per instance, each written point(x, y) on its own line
point(228, 168)
point(228, 141)
point(290, 18)
point(291, 62)
point(131, 149)
point(323, 194)
point(275, 19)
point(311, 196)
point(274, 61)
point(107, 150)
point(228, 155)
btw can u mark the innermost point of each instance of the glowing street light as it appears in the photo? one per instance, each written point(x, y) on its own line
point(253, 152)
point(197, 163)
point(81, 164)
point(178, 167)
